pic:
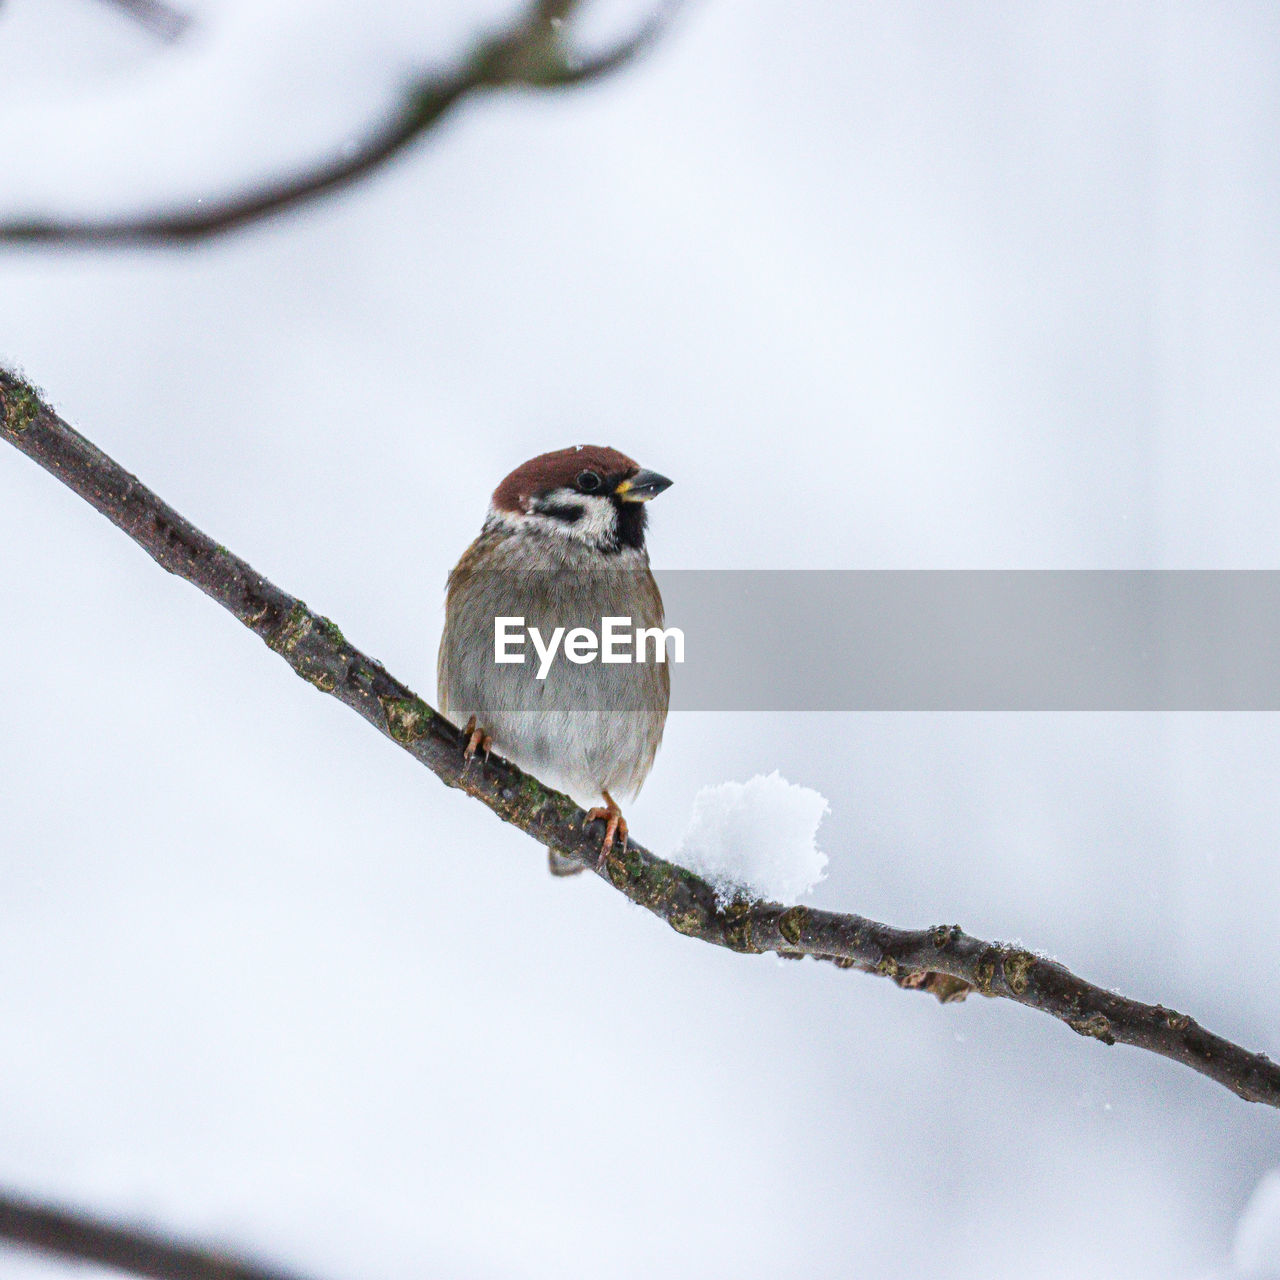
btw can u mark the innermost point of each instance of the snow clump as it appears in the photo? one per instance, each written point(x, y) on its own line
point(756, 839)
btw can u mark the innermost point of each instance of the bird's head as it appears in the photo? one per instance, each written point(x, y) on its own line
point(589, 493)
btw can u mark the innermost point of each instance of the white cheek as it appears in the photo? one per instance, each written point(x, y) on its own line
point(597, 526)
point(599, 523)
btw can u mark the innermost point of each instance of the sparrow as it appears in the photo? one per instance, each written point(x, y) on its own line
point(562, 546)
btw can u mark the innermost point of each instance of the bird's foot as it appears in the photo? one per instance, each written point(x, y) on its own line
point(477, 740)
point(615, 826)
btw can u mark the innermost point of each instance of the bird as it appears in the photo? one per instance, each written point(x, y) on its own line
point(562, 545)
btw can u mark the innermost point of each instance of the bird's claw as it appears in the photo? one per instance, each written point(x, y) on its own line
point(477, 740)
point(615, 827)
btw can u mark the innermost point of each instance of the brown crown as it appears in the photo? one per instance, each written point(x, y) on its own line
point(559, 470)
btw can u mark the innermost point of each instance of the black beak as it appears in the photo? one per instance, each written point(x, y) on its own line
point(642, 486)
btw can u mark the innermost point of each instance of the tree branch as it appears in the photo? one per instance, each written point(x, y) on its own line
point(535, 53)
point(71, 1234)
point(943, 960)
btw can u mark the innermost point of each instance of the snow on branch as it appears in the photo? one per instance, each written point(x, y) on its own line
point(756, 839)
point(534, 53)
point(943, 960)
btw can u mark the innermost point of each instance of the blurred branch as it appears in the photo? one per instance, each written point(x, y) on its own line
point(943, 960)
point(71, 1234)
point(161, 19)
point(535, 53)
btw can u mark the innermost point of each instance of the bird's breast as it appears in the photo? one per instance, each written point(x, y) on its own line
point(586, 726)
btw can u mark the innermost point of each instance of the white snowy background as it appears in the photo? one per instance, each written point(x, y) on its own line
point(921, 285)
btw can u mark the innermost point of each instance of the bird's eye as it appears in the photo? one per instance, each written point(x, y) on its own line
point(589, 482)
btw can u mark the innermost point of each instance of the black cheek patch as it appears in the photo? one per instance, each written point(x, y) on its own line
point(569, 512)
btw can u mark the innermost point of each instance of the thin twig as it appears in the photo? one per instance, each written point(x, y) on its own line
point(535, 53)
point(944, 960)
point(159, 18)
point(68, 1233)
